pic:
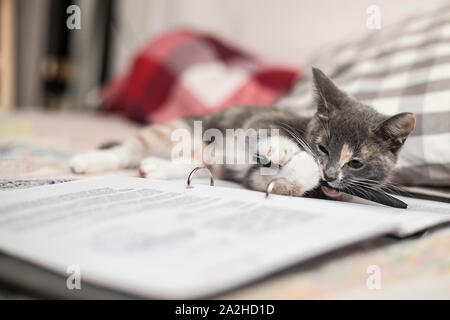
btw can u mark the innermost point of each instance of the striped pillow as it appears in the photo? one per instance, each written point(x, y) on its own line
point(404, 67)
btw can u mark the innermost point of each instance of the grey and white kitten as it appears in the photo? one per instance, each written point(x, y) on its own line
point(346, 144)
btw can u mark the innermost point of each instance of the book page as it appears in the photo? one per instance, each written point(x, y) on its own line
point(420, 214)
point(158, 239)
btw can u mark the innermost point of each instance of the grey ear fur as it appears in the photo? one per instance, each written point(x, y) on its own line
point(328, 95)
point(396, 129)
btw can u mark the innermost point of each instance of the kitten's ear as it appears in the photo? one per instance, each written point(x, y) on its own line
point(328, 96)
point(396, 129)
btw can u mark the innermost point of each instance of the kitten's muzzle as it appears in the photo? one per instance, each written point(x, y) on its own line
point(328, 189)
point(330, 174)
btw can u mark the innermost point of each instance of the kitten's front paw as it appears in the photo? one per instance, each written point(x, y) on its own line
point(277, 149)
point(154, 168)
point(94, 161)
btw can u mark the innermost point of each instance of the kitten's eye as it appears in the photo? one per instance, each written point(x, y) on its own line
point(355, 164)
point(323, 149)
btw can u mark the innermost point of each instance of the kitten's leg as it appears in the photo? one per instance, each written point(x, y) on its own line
point(154, 140)
point(158, 168)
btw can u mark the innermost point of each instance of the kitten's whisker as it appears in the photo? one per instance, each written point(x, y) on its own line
point(353, 183)
point(365, 186)
point(363, 183)
point(396, 189)
point(297, 138)
point(367, 182)
point(385, 187)
point(390, 187)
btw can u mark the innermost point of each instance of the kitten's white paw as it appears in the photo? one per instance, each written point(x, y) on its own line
point(278, 149)
point(303, 171)
point(94, 161)
point(154, 168)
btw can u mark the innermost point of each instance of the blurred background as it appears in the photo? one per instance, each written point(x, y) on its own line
point(45, 64)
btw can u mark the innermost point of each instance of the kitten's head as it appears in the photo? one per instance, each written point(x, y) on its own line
point(353, 143)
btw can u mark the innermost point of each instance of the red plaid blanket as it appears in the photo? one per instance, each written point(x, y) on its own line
point(186, 72)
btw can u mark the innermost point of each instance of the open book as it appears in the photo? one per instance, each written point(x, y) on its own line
point(156, 238)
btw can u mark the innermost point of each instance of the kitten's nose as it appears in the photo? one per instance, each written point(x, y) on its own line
point(330, 174)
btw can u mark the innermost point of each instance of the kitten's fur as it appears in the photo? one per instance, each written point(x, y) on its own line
point(331, 146)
